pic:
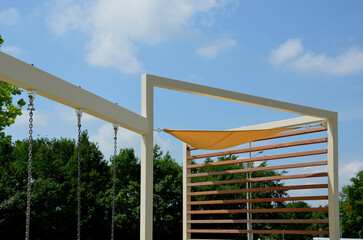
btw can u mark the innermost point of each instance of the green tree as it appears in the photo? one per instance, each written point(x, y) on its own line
point(54, 198)
point(9, 111)
point(351, 207)
point(168, 189)
point(54, 191)
point(167, 195)
point(297, 215)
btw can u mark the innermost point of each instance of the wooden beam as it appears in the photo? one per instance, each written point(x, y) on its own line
point(279, 135)
point(234, 201)
point(294, 133)
point(288, 221)
point(262, 148)
point(265, 189)
point(260, 179)
point(302, 232)
point(259, 169)
point(292, 122)
point(274, 210)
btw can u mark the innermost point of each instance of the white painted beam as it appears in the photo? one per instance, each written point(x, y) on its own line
point(26, 76)
point(283, 123)
point(197, 89)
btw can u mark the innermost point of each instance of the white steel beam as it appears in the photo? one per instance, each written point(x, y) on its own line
point(237, 97)
point(283, 123)
point(28, 77)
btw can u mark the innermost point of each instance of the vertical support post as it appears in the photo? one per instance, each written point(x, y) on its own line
point(333, 187)
point(147, 145)
point(186, 189)
point(249, 224)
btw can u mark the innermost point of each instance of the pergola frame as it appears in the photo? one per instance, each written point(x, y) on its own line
point(28, 77)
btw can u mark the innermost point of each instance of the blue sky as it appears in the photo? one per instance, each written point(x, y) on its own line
point(305, 52)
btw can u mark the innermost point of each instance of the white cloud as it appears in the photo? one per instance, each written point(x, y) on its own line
point(40, 119)
point(125, 139)
point(349, 170)
point(115, 27)
point(12, 50)
point(291, 56)
point(9, 17)
point(212, 49)
point(288, 50)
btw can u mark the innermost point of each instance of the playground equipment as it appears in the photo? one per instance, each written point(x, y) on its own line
point(28, 77)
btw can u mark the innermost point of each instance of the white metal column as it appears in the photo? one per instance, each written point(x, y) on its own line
point(186, 189)
point(147, 145)
point(333, 187)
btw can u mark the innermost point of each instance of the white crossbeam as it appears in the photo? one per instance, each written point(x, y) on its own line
point(26, 76)
point(197, 89)
point(283, 123)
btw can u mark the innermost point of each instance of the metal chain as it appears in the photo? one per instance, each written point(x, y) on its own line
point(115, 128)
point(31, 95)
point(79, 115)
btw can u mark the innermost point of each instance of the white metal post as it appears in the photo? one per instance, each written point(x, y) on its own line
point(249, 225)
point(333, 188)
point(146, 208)
point(186, 189)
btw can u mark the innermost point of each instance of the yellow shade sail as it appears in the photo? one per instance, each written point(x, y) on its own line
point(216, 140)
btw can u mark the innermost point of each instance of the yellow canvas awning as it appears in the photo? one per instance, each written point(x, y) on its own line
point(216, 140)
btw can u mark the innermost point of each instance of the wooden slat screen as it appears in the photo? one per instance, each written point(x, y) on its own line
point(219, 181)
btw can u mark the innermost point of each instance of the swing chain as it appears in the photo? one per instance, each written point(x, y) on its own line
point(31, 95)
point(79, 115)
point(115, 128)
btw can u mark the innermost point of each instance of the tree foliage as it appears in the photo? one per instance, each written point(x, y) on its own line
point(54, 191)
point(9, 111)
point(351, 207)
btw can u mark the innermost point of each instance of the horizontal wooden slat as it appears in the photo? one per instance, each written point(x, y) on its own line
point(255, 159)
point(281, 135)
point(282, 188)
point(208, 239)
point(261, 148)
point(259, 169)
point(260, 179)
point(294, 133)
point(302, 232)
point(217, 221)
point(274, 210)
point(254, 200)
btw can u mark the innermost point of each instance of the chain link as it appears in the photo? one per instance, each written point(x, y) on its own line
point(79, 115)
point(31, 95)
point(115, 128)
